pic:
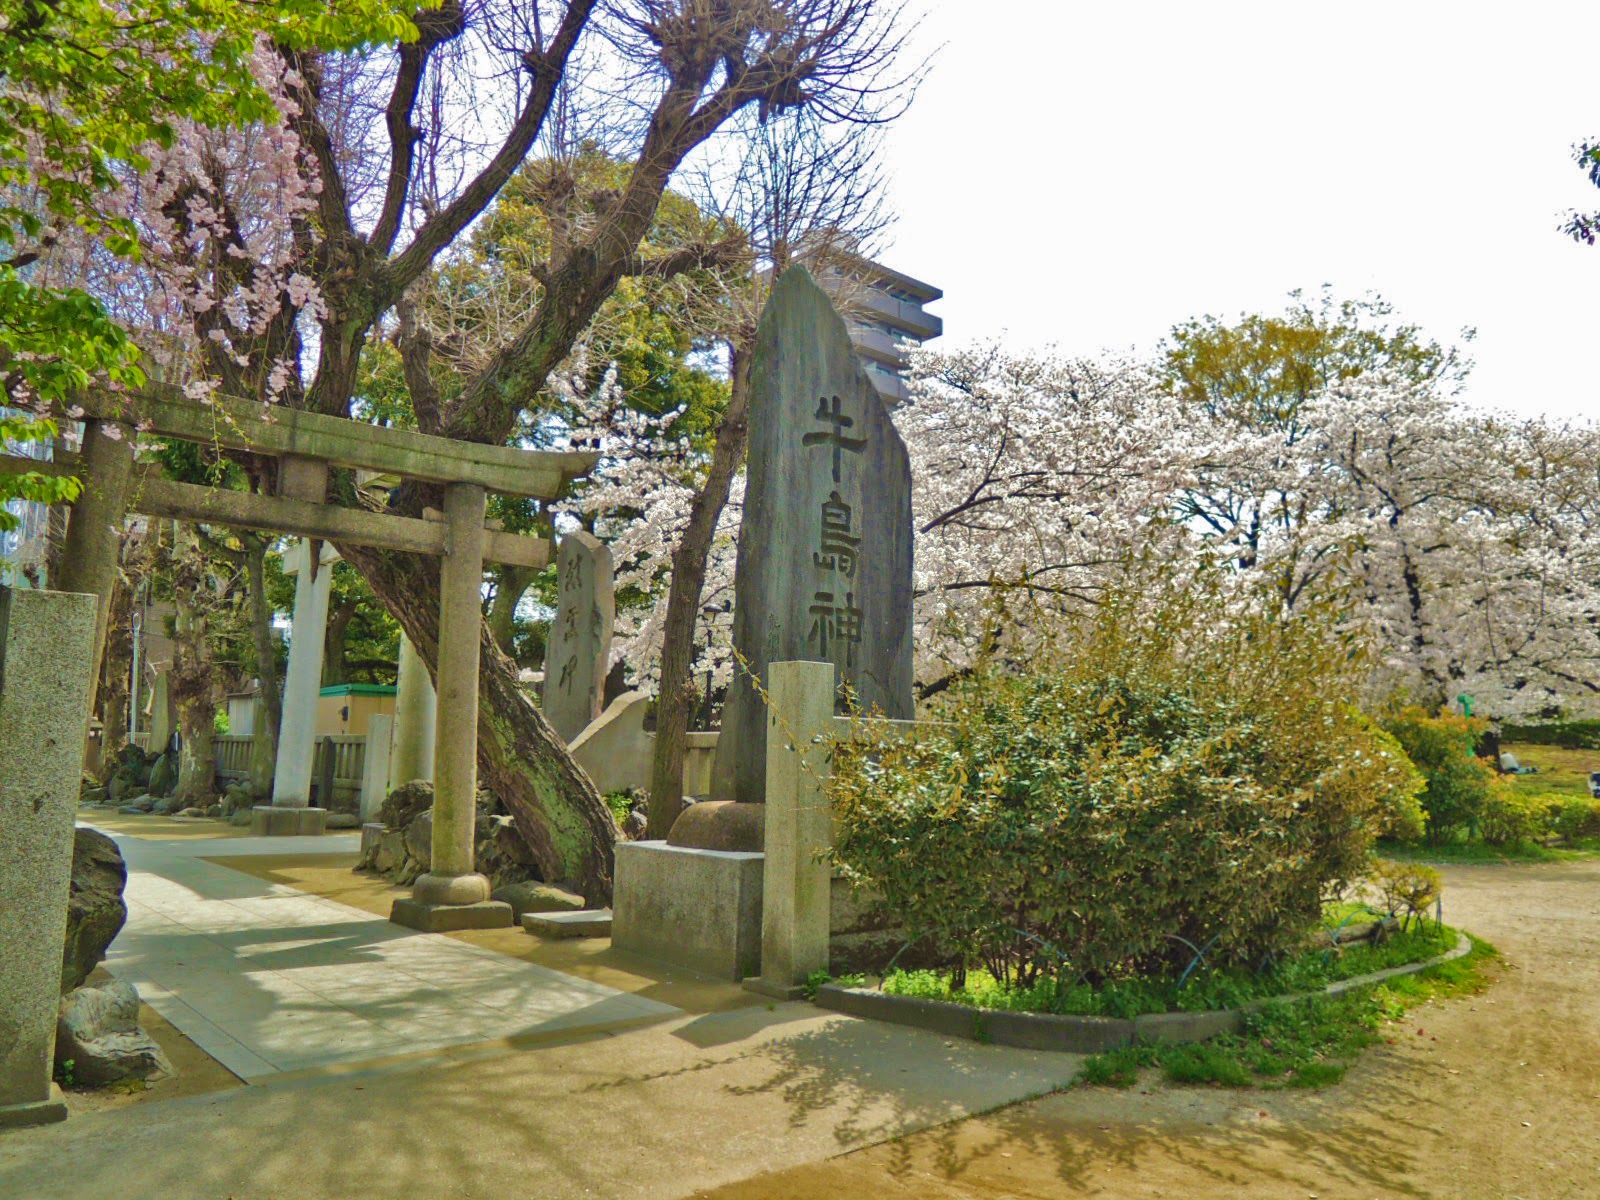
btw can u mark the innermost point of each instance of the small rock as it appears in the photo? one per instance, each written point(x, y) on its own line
point(419, 839)
point(141, 803)
point(342, 820)
point(531, 897)
point(216, 810)
point(193, 811)
point(163, 806)
point(241, 816)
point(97, 1031)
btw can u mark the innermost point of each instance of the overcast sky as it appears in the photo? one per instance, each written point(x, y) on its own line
point(1090, 175)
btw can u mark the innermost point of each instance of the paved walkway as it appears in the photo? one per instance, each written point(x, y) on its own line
point(268, 979)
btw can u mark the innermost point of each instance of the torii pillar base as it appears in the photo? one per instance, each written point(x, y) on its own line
point(270, 820)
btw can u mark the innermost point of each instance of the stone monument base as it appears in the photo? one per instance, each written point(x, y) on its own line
point(721, 825)
point(37, 1112)
point(690, 907)
point(442, 918)
point(268, 820)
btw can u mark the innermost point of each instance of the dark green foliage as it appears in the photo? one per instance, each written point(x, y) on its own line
point(1570, 735)
point(1459, 784)
point(1159, 786)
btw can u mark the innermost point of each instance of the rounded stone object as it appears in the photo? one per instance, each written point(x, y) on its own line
point(721, 825)
point(450, 889)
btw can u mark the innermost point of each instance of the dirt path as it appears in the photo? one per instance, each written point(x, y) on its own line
point(1494, 1097)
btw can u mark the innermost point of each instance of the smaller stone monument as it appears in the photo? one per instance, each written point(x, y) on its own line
point(579, 653)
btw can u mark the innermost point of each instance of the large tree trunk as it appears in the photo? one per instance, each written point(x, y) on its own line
point(333, 656)
point(521, 762)
point(194, 684)
point(678, 696)
point(269, 711)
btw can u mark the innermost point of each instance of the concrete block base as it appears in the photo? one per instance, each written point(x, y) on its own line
point(774, 990)
point(38, 1112)
point(584, 922)
point(442, 918)
point(268, 820)
point(699, 909)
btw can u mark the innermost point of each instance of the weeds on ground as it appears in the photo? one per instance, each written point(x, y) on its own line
point(1306, 1043)
point(1199, 992)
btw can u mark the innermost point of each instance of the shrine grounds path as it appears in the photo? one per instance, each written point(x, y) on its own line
point(1491, 1097)
point(1498, 1095)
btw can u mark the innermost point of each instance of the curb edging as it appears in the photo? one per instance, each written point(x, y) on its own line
point(1083, 1034)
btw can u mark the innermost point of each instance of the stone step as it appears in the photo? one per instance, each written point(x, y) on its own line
point(587, 922)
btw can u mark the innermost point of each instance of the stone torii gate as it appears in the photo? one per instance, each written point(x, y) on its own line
point(307, 445)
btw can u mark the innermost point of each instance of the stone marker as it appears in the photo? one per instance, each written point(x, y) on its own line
point(579, 653)
point(46, 657)
point(824, 566)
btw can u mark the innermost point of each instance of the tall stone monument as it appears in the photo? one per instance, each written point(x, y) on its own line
point(46, 663)
point(824, 566)
point(579, 653)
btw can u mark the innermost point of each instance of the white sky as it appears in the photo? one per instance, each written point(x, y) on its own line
point(1092, 174)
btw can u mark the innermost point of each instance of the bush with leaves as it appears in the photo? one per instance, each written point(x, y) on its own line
point(1458, 783)
point(1510, 817)
point(1155, 784)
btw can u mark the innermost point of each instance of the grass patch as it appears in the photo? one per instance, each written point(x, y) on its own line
point(1464, 851)
point(1559, 770)
point(1307, 1043)
point(1201, 991)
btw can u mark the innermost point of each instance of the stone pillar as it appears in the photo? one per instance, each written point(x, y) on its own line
point(375, 765)
point(796, 886)
point(411, 752)
point(162, 717)
point(94, 532)
point(452, 895)
point(579, 653)
point(46, 671)
point(290, 812)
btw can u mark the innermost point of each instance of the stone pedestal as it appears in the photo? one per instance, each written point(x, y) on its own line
point(442, 918)
point(699, 909)
point(270, 820)
point(46, 660)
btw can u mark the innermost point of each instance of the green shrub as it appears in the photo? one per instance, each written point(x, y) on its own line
point(1407, 890)
point(1457, 783)
point(1152, 788)
point(1509, 817)
point(1572, 817)
point(1572, 735)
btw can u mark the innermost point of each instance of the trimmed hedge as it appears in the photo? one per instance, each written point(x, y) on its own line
point(1569, 735)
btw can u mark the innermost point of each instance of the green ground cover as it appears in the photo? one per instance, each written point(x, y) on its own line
point(1201, 990)
point(1302, 1044)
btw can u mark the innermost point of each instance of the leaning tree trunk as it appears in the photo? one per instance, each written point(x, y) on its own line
point(521, 762)
point(677, 697)
point(193, 677)
point(269, 712)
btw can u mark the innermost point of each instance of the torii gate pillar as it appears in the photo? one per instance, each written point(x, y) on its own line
point(452, 895)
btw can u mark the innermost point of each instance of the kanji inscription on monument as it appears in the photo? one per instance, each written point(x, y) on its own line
point(824, 569)
point(579, 651)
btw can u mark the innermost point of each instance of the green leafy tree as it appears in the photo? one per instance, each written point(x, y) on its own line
point(86, 85)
